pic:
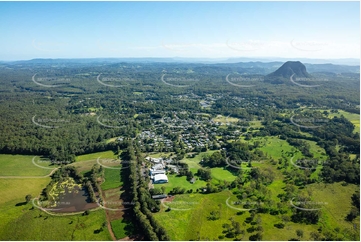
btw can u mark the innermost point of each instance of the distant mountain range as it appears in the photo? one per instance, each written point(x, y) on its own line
point(345, 61)
point(263, 67)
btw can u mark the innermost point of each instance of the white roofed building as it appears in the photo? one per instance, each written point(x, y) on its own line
point(160, 178)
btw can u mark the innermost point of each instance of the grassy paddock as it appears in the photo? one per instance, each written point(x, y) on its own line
point(22, 165)
point(118, 227)
point(37, 225)
point(193, 163)
point(19, 220)
point(15, 190)
point(336, 200)
point(191, 223)
point(112, 178)
point(222, 174)
point(93, 156)
point(273, 146)
point(188, 217)
point(175, 181)
point(85, 162)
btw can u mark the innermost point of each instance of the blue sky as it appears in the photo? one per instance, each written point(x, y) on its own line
point(179, 29)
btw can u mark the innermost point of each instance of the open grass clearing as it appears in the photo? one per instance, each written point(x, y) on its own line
point(34, 224)
point(177, 181)
point(22, 165)
point(188, 218)
point(111, 140)
point(193, 163)
point(336, 203)
point(224, 119)
point(15, 190)
point(222, 174)
point(112, 178)
point(121, 227)
point(93, 156)
point(192, 223)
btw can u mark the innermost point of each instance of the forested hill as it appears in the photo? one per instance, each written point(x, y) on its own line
point(289, 68)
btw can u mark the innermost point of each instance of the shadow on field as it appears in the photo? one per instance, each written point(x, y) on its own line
point(20, 204)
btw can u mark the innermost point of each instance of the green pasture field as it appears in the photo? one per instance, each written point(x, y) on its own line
point(188, 217)
point(118, 227)
point(193, 163)
point(191, 221)
point(256, 124)
point(176, 181)
point(84, 166)
point(33, 224)
point(84, 163)
point(336, 203)
point(94, 156)
point(22, 165)
point(112, 178)
point(352, 117)
point(121, 226)
point(93, 109)
point(14, 190)
point(273, 146)
point(222, 174)
point(19, 221)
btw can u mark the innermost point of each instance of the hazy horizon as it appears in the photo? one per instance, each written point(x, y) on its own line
point(195, 60)
point(78, 30)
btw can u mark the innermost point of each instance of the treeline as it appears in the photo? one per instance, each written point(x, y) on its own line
point(144, 204)
point(94, 179)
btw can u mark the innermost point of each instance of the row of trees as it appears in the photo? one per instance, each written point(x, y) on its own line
point(144, 204)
